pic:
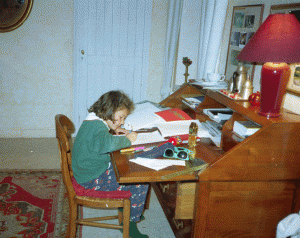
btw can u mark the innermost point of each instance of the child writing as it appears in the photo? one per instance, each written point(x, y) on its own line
point(91, 159)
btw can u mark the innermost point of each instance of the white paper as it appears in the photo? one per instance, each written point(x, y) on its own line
point(157, 164)
point(143, 117)
point(149, 137)
point(174, 128)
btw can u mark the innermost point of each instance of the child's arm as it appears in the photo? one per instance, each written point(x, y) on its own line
point(120, 130)
point(132, 136)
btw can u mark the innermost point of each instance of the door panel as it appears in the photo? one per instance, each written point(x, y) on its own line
point(115, 38)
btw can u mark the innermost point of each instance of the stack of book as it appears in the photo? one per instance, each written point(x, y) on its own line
point(215, 130)
point(245, 128)
point(218, 114)
point(193, 101)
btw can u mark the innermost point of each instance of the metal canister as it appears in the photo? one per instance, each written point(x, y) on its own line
point(247, 89)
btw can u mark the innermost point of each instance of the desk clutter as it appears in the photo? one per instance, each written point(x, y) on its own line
point(173, 155)
point(254, 171)
point(160, 123)
point(233, 96)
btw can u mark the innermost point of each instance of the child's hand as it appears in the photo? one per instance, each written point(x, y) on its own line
point(120, 130)
point(132, 136)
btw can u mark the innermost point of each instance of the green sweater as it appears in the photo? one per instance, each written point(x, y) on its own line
point(90, 154)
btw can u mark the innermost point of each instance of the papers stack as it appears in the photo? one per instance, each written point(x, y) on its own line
point(175, 128)
point(218, 114)
point(193, 102)
point(212, 85)
point(245, 128)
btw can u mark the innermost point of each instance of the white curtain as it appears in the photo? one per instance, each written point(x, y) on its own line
point(173, 29)
point(213, 14)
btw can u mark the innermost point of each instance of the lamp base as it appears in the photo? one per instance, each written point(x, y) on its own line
point(274, 79)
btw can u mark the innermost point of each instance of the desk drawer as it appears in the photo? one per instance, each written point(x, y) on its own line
point(185, 200)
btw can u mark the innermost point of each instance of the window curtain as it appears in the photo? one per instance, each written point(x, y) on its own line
point(212, 21)
point(173, 29)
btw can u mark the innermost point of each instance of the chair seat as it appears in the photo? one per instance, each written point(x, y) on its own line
point(81, 191)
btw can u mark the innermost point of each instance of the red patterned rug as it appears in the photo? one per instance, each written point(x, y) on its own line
point(32, 204)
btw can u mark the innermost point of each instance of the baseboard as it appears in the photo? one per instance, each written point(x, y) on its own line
point(27, 133)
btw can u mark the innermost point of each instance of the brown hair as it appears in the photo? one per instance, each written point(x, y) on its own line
point(110, 102)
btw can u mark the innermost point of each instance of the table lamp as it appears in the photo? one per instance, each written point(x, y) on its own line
point(275, 43)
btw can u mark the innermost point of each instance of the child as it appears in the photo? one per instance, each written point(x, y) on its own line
point(91, 159)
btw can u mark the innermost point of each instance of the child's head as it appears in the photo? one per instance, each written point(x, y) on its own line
point(111, 104)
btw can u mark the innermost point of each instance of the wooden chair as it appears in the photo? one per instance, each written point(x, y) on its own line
point(78, 195)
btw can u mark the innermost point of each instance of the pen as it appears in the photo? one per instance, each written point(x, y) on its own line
point(132, 149)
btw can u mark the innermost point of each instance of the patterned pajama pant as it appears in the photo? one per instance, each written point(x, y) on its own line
point(107, 182)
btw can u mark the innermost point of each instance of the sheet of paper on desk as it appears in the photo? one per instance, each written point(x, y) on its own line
point(157, 164)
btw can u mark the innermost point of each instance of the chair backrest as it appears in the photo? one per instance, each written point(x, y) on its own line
point(64, 129)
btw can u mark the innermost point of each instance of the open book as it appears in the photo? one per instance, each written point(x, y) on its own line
point(169, 129)
point(144, 116)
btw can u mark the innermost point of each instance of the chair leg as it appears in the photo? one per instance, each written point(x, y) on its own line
point(73, 213)
point(126, 218)
point(120, 215)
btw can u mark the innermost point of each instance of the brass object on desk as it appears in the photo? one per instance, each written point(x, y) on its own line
point(247, 89)
point(238, 79)
point(187, 62)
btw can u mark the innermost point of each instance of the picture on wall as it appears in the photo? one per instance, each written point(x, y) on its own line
point(293, 86)
point(245, 21)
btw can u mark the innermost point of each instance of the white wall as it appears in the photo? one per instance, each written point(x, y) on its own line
point(36, 71)
point(36, 68)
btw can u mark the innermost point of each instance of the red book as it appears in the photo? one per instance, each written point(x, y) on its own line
point(173, 114)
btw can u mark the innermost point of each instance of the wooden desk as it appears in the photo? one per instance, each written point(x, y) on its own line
point(248, 187)
point(129, 172)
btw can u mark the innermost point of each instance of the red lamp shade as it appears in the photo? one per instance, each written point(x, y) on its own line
point(276, 42)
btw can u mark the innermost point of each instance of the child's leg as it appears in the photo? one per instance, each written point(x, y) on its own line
point(107, 182)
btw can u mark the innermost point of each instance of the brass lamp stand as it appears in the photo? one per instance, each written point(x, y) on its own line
point(187, 62)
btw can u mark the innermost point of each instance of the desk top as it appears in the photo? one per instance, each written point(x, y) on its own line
point(129, 172)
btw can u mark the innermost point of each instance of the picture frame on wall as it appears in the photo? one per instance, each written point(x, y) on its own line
point(245, 21)
point(293, 86)
point(294, 82)
point(13, 14)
